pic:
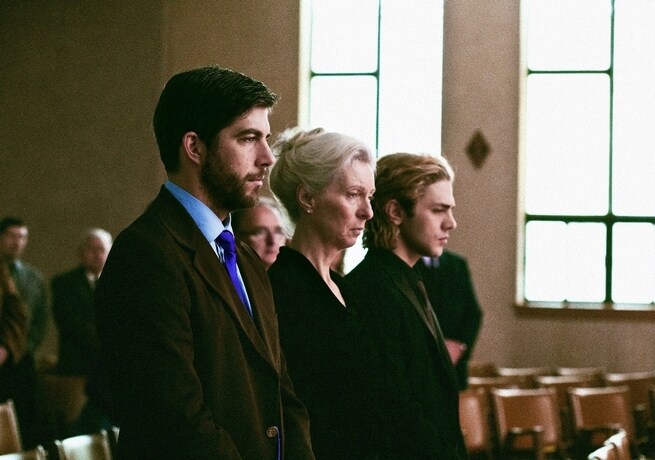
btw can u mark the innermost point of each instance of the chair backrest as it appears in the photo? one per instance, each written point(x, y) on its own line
point(639, 384)
point(602, 407)
point(10, 440)
point(487, 383)
point(474, 420)
point(606, 452)
point(525, 409)
point(595, 371)
point(529, 371)
point(525, 374)
point(93, 446)
point(38, 453)
point(561, 383)
point(622, 444)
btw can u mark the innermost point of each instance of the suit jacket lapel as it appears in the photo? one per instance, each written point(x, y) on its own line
point(439, 339)
point(258, 298)
point(409, 292)
point(205, 261)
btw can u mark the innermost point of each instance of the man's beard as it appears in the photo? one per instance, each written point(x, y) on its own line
point(225, 189)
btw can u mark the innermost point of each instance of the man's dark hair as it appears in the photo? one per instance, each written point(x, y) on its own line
point(10, 221)
point(204, 101)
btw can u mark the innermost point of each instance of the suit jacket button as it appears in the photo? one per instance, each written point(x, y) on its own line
point(272, 431)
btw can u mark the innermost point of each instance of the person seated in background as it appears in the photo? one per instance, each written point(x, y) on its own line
point(450, 289)
point(72, 303)
point(261, 227)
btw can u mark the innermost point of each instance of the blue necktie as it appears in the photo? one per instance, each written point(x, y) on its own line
point(226, 241)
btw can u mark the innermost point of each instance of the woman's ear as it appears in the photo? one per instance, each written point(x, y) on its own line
point(395, 212)
point(193, 148)
point(305, 200)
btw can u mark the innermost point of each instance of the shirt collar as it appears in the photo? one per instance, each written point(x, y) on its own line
point(208, 222)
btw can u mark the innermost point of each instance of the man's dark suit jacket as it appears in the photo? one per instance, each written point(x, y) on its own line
point(72, 308)
point(419, 370)
point(451, 292)
point(183, 368)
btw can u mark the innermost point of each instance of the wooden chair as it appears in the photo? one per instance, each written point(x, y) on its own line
point(474, 416)
point(622, 444)
point(527, 420)
point(561, 384)
point(606, 452)
point(38, 453)
point(639, 384)
point(599, 413)
point(10, 440)
point(93, 446)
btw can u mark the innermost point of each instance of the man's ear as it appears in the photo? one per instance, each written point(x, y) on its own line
point(305, 200)
point(193, 148)
point(395, 212)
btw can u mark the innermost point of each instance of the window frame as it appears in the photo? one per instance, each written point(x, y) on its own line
point(608, 220)
point(307, 73)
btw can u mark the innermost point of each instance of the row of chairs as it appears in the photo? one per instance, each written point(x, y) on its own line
point(561, 379)
point(570, 406)
point(505, 422)
point(94, 446)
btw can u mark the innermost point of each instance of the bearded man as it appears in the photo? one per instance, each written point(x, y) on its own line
point(189, 360)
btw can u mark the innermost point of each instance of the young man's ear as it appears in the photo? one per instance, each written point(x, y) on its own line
point(395, 212)
point(193, 148)
point(305, 200)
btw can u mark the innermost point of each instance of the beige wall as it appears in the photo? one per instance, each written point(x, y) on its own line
point(481, 91)
point(79, 81)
